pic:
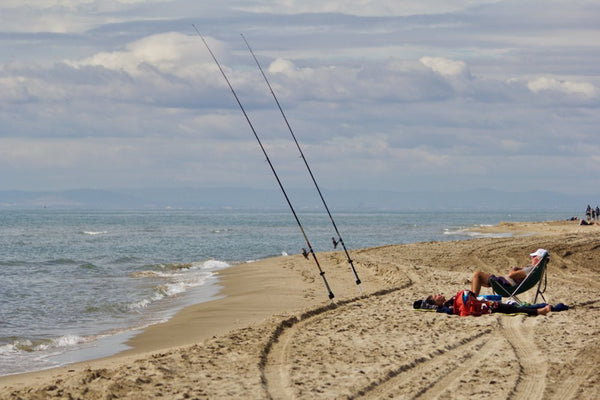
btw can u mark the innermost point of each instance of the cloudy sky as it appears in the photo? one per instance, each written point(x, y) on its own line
point(382, 94)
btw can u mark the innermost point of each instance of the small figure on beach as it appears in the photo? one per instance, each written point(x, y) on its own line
point(515, 274)
point(585, 222)
point(588, 212)
point(466, 303)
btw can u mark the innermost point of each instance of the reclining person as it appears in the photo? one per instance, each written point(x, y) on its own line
point(439, 303)
point(515, 275)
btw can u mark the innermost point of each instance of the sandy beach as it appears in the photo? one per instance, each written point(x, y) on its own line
point(274, 334)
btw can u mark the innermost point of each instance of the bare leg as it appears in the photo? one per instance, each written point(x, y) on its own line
point(544, 310)
point(480, 279)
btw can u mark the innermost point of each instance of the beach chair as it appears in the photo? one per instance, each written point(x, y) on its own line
point(535, 276)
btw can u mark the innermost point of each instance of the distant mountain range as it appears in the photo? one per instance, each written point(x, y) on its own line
point(302, 200)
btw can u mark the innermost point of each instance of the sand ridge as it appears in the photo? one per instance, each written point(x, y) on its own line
point(294, 343)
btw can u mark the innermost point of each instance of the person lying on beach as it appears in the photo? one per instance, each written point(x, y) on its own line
point(584, 222)
point(472, 306)
point(515, 275)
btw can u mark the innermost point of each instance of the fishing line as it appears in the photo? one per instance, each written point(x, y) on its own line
point(333, 240)
point(310, 249)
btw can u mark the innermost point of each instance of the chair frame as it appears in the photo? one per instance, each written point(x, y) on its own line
point(512, 291)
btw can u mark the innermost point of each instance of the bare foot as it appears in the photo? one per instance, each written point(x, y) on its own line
point(544, 310)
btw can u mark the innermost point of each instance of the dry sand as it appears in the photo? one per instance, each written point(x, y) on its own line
point(275, 334)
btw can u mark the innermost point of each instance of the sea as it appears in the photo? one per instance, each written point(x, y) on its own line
point(75, 285)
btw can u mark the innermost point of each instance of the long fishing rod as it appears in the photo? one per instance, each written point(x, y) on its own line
point(310, 249)
point(334, 241)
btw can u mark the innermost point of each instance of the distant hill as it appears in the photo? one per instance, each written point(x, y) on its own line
point(302, 200)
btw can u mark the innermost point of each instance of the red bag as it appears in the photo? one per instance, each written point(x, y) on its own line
point(466, 303)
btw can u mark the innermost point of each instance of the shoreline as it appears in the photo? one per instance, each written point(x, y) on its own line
point(258, 296)
point(248, 293)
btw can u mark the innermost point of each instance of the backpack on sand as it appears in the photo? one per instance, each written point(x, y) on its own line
point(466, 303)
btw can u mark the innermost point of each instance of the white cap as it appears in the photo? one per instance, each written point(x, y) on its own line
point(540, 253)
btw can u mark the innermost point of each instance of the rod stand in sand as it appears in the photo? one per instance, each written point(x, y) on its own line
point(310, 249)
point(339, 240)
point(335, 242)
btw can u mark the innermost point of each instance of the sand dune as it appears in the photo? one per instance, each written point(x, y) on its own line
point(275, 335)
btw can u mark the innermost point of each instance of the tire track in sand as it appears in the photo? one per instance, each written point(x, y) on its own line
point(280, 362)
point(446, 362)
point(275, 361)
point(586, 368)
point(532, 364)
point(455, 375)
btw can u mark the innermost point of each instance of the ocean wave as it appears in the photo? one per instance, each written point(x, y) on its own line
point(144, 274)
point(94, 233)
point(30, 346)
point(224, 230)
point(283, 254)
point(67, 341)
point(490, 235)
point(469, 233)
point(88, 266)
point(25, 355)
point(14, 263)
point(175, 266)
point(170, 289)
point(139, 305)
point(125, 260)
point(165, 270)
point(110, 308)
point(61, 261)
point(211, 264)
point(175, 279)
point(158, 274)
point(182, 283)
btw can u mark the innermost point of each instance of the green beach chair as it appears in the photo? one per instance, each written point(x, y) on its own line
point(535, 276)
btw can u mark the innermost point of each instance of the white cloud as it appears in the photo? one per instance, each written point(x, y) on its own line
point(77, 5)
point(391, 80)
point(543, 84)
point(281, 66)
point(167, 52)
point(361, 7)
point(13, 89)
point(65, 16)
point(446, 67)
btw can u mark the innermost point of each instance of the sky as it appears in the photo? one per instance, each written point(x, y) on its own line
point(381, 94)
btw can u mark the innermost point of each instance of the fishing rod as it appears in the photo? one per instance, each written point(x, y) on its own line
point(310, 249)
point(333, 240)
